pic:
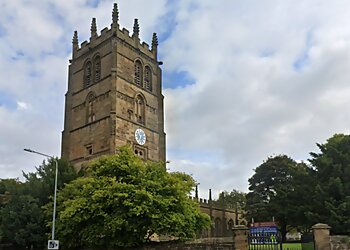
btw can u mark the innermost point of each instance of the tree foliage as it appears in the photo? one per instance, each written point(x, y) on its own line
point(9, 187)
point(233, 199)
point(280, 189)
point(332, 192)
point(22, 220)
point(123, 201)
point(41, 183)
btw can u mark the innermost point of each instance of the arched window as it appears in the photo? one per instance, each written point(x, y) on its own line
point(140, 109)
point(148, 78)
point(90, 107)
point(218, 232)
point(138, 73)
point(97, 68)
point(230, 224)
point(87, 74)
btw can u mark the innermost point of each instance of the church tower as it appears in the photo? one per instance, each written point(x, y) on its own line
point(114, 96)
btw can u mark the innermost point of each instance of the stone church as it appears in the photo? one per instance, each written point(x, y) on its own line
point(115, 98)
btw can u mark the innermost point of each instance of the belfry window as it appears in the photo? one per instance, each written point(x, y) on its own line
point(148, 78)
point(90, 108)
point(140, 152)
point(140, 109)
point(87, 74)
point(97, 68)
point(138, 73)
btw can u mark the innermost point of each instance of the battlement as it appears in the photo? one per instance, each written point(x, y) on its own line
point(214, 204)
point(88, 45)
point(122, 35)
point(125, 32)
point(202, 201)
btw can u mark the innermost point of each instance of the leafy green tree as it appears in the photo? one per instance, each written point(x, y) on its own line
point(21, 214)
point(9, 187)
point(233, 199)
point(123, 201)
point(41, 183)
point(280, 189)
point(22, 221)
point(332, 193)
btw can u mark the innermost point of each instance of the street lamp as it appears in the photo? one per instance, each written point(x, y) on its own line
point(54, 197)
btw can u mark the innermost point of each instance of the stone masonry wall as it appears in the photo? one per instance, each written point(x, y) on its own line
point(340, 242)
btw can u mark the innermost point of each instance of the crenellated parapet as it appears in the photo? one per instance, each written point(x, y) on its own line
point(114, 90)
point(223, 218)
point(115, 32)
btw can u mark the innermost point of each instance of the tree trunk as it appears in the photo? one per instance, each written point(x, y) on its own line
point(284, 232)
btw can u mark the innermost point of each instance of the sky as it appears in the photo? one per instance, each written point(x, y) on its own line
point(242, 80)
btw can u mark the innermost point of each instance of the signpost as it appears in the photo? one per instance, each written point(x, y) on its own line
point(53, 244)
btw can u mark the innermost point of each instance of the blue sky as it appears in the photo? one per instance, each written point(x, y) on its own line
point(242, 80)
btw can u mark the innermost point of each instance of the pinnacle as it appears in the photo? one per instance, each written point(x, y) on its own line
point(115, 13)
point(154, 41)
point(93, 28)
point(75, 37)
point(136, 28)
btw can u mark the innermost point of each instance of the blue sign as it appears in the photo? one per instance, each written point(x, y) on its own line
point(255, 230)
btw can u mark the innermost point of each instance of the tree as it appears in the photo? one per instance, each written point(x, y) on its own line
point(280, 189)
point(40, 184)
point(9, 187)
point(233, 199)
point(123, 201)
point(22, 220)
point(332, 192)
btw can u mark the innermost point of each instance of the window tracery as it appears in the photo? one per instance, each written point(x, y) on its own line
point(87, 74)
point(148, 78)
point(138, 73)
point(140, 109)
point(97, 68)
point(90, 108)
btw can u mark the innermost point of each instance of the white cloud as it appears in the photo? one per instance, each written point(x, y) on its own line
point(269, 77)
point(22, 105)
point(250, 98)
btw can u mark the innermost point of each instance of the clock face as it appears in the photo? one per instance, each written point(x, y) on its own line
point(140, 136)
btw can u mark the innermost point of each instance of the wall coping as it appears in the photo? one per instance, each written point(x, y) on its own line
point(321, 226)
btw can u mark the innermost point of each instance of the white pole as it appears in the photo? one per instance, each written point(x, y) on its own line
point(55, 191)
point(54, 201)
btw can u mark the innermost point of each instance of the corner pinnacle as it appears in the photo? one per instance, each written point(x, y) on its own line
point(115, 13)
point(93, 28)
point(136, 28)
point(75, 38)
point(154, 41)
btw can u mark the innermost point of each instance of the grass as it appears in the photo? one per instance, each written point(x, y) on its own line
point(291, 246)
point(286, 246)
point(298, 246)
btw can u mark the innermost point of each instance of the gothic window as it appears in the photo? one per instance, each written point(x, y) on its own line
point(218, 232)
point(138, 73)
point(90, 108)
point(97, 68)
point(87, 74)
point(230, 224)
point(140, 109)
point(148, 78)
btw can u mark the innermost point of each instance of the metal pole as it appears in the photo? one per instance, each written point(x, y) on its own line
point(55, 192)
point(54, 201)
